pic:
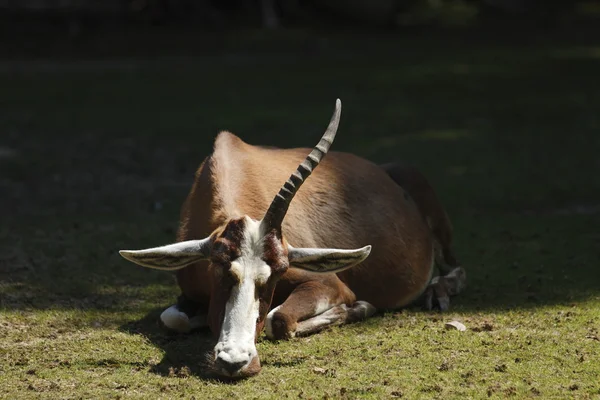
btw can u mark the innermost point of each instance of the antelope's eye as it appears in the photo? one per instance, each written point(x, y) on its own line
point(231, 276)
point(223, 272)
point(234, 273)
point(261, 280)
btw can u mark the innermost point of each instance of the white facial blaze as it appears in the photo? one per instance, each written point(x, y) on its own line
point(239, 324)
point(236, 340)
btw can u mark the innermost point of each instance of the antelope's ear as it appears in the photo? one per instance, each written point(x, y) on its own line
point(172, 256)
point(326, 260)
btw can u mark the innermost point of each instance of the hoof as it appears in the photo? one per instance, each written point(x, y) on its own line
point(175, 321)
point(442, 287)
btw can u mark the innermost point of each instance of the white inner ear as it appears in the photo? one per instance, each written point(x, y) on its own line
point(170, 257)
point(326, 260)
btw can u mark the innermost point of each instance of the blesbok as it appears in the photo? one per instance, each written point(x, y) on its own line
point(247, 261)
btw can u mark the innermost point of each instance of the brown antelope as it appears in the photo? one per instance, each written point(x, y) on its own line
point(247, 261)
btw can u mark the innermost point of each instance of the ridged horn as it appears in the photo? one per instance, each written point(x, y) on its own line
point(280, 204)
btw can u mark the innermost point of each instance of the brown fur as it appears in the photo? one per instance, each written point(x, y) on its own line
point(431, 209)
point(348, 202)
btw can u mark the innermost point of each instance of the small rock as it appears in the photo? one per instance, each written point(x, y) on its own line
point(318, 370)
point(455, 325)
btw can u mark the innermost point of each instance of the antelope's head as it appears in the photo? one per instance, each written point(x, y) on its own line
point(247, 259)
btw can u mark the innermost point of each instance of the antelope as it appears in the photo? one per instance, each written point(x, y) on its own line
point(357, 238)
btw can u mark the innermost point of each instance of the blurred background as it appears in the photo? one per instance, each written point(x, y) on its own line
point(80, 16)
point(84, 23)
point(108, 107)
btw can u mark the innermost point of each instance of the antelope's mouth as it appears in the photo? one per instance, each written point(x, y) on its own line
point(232, 374)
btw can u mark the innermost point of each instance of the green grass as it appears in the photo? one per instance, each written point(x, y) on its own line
point(508, 134)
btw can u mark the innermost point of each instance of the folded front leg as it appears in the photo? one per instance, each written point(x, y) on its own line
point(337, 315)
point(184, 317)
point(312, 307)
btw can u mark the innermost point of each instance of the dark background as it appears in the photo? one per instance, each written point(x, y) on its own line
point(107, 108)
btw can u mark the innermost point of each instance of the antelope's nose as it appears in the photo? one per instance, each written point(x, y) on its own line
point(231, 367)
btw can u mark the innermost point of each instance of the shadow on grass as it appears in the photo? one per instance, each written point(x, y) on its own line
point(183, 354)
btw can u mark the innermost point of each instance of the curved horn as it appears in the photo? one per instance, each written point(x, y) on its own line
point(280, 204)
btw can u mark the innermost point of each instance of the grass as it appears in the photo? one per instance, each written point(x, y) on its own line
point(102, 154)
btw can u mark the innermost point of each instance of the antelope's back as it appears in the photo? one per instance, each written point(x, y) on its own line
point(347, 202)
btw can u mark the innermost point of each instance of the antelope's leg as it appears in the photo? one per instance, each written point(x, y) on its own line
point(445, 259)
point(310, 308)
point(337, 315)
point(444, 286)
point(183, 317)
